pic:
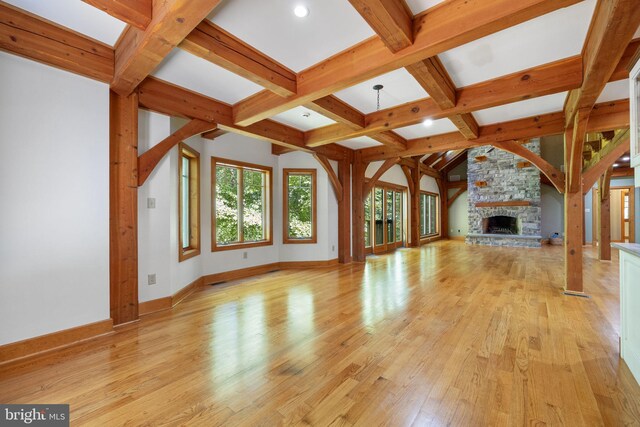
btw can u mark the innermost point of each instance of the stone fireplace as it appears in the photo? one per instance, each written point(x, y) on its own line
point(504, 198)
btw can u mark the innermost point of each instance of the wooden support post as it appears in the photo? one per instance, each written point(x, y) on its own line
point(444, 207)
point(357, 206)
point(415, 205)
point(604, 217)
point(123, 207)
point(573, 224)
point(344, 213)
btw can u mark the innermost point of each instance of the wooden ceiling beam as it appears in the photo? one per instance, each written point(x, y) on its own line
point(431, 159)
point(454, 163)
point(337, 110)
point(138, 52)
point(614, 150)
point(210, 42)
point(621, 71)
point(466, 124)
point(558, 76)
point(133, 12)
point(613, 114)
point(216, 133)
point(30, 36)
point(612, 27)
point(390, 19)
point(451, 24)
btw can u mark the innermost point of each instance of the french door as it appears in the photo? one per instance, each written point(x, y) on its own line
point(384, 219)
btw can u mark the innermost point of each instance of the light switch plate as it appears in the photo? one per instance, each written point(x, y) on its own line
point(151, 203)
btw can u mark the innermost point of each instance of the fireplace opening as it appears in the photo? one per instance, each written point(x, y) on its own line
point(500, 225)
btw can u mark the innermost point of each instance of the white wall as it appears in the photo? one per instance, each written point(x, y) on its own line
point(54, 187)
point(459, 214)
point(552, 211)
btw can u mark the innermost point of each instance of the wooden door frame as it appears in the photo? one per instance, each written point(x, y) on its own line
point(632, 213)
point(386, 247)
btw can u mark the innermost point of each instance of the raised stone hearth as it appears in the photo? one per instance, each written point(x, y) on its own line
point(506, 211)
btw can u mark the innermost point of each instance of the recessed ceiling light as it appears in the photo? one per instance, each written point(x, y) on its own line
point(615, 165)
point(427, 123)
point(625, 158)
point(301, 11)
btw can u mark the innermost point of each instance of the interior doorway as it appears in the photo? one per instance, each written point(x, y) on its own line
point(622, 215)
point(385, 224)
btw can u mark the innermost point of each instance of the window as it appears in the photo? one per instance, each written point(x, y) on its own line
point(189, 200)
point(241, 214)
point(367, 221)
point(428, 214)
point(384, 218)
point(299, 210)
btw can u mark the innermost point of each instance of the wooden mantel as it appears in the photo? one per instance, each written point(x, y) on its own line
point(498, 204)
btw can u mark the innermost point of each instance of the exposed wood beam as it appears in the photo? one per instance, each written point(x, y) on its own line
point(555, 77)
point(133, 12)
point(622, 172)
point(612, 27)
point(443, 189)
point(604, 216)
point(357, 207)
point(622, 69)
point(32, 37)
point(606, 116)
point(556, 177)
point(390, 19)
point(216, 133)
point(333, 177)
point(214, 44)
point(616, 148)
point(338, 110)
point(452, 24)
point(344, 212)
point(138, 52)
point(454, 163)
point(150, 158)
point(448, 158)
point(371, 182)
point(434, 79)
point(406, 170)
point(431, 159)
point(414, 224)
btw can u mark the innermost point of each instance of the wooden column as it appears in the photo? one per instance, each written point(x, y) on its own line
point(604, 217)
point(344, 213)
point(357, 207)
point(573, 224)
point(123, 207)
point(415, 205)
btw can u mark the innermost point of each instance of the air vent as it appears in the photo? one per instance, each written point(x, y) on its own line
point(454, 178)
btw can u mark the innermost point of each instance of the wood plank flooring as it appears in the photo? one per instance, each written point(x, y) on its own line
point(446, 334)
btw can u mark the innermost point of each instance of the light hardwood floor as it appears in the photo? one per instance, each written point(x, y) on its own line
point(447, 334)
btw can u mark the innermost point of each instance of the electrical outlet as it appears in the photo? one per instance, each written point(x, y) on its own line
point(151, 279)
point(333, 248)
point(151, 203)
point(245, 255)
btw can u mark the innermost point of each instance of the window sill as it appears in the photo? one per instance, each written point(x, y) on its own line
point(189, 253)
point(235, 246)
point(299, 241)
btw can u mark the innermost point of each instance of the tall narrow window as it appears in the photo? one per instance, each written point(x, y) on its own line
point(367, 221)
point(428, 214)
point(241, 215)
point(189, 200)
point(299, 210)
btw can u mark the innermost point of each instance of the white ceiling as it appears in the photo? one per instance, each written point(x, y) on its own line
point(77, 15)
point(399, 87)
point(200, 75)
point(418, 6)
point(298, 43)
point(359, 143)
point(519, 110)
point(295, 117)
point(551, 37)
point(418, 131)
point(614, 91)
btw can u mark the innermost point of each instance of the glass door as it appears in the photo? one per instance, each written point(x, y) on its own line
point(388, 219)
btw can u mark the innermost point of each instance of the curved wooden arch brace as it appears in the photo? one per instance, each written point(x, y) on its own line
point(407, 174)
point(368, 186)
point(595, 171)
point(150, 159)
point(555, 176)
point(455, 195)
point(333, 177)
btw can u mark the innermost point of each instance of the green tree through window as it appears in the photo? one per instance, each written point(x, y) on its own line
point(299, 205)
point(241, 203)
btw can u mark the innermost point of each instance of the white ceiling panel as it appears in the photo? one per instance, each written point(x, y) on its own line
point(614, 91)
point(549, 38)
point(418, 6)
point(359, 143)
point(200, 75)
point(298, 43)
point(302, 118)
point(637, 34)
point(519, 110)
point(76, 15)
point(419, 131)
point(399, 87)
